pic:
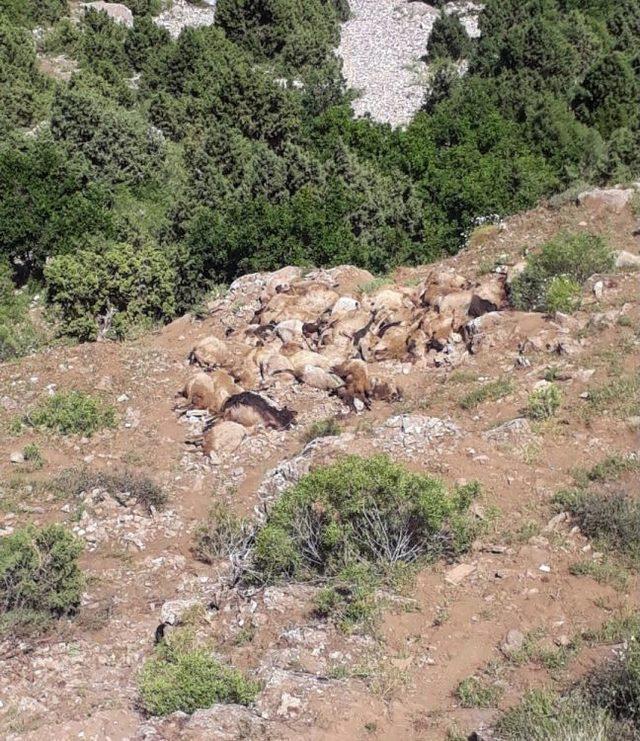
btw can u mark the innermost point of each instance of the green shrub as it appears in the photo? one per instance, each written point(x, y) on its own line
point(185, 679)
point(18, 334)
point(358, 510)
point(448, 38)
point(72, 413)
point(39, 575)
point(553, 276)
point(491, 391)
point(350, 602)
point(112, 290)
point(322, 428)
point(544, 402)
point(615, 686)
point(563, 294)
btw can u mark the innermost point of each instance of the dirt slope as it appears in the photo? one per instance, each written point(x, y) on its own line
point(80, 680)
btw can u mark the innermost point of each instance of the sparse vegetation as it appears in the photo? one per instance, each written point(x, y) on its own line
point(322, 428)
point(603, 571)
point(619, 397)
point(72, 413)
point(611, 518)
point(544, 402)
point(554, 276)
point(184, 677)
point(478, 692)
point(223, 535)
point(611, 468)
point(490, 391)
point(124, 486)
point(39, 577)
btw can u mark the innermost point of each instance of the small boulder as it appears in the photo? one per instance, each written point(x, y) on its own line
point(513, 642)
point(174, 611)
point(608, 199)
point(16, 457)
point(627, 260)
point(225, 437)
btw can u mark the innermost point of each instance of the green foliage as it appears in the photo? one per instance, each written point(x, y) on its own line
point(553, 277)
point(18, 334)
point(478, 692)
point(490, 391)
point(358, 510)
point(541, 716)
point(544, 402)
point(350, 602)
point(322, 428)
point(39, 576)
point(448, 38)
point(72, 413)
point(234, 148)
point(112, 289)
point(180, 678)
point(615, 687)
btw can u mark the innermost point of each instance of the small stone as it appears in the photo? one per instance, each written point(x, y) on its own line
point(289, 706)
point(598, 289)
point(459, 573)
point(627, 260)
point(16, 457)
point(545, 568)
point(513, 642)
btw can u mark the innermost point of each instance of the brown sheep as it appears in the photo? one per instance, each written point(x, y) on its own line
point(357, 385)
point(209, 391)
point(211, 352)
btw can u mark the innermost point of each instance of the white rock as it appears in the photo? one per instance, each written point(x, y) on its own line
point(627, 260)
point(116, 11)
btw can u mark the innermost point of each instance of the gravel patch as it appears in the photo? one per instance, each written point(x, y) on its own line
point(382, 46)
point(183, 14)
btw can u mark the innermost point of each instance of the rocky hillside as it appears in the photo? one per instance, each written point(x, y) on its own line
point(217, 415)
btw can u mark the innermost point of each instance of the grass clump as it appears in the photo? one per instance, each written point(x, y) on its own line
point(477, 692)
point(611, 468)
point(491, 391)
point(39, 577)
point(544, 402)
point(125, 486)
point(329, 427)
point(619, 396)
point(553, 277)
point(72, 413)
point(357, 524)
point(223, 535)
point(542, 716)
point(602, 571)
point(18, 334)
point(612, 519)
point(183, 677)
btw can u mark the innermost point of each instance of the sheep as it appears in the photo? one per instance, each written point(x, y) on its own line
point(211, 352)
point(357, 385)
point(249, 410)
point(209, 391)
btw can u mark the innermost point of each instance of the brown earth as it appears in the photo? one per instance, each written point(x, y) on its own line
point(80, 680)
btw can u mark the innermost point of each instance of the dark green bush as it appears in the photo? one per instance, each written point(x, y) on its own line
point(72, 413)
point(448, 38)
point(184, 678)
point(358, 511)
point(570, 259)
point(112, 289)
point(39, 575)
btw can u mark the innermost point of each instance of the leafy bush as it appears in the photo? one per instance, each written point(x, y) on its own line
point(552, 278)
point(544, 402)
point(39, 575)
point(180, 678)
point(72, 413)
point(18, 334)
point(111, 290)
point(358, 510)
point(124, 486)
point(448, 38)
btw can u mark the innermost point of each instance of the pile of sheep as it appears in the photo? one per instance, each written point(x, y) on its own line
point(323, 331)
